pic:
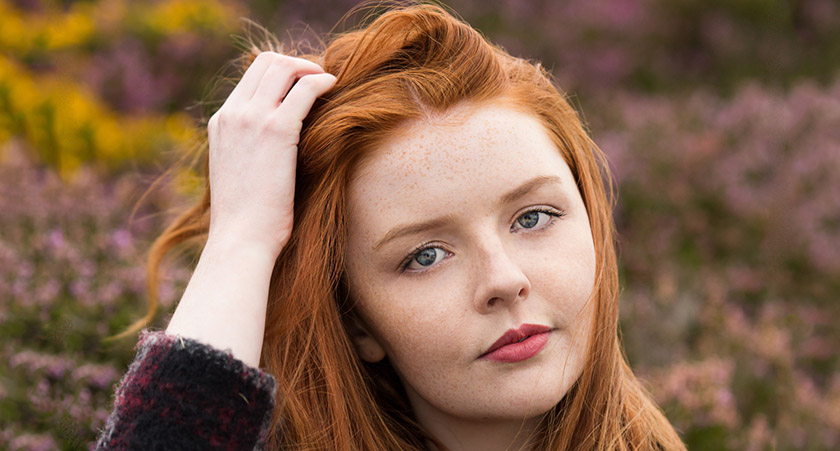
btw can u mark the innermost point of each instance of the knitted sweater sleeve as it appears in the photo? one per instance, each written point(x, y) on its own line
point(179, 393)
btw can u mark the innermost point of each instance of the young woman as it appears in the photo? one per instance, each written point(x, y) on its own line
point(408, 244)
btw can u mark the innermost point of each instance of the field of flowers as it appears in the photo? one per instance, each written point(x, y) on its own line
point(721, 120)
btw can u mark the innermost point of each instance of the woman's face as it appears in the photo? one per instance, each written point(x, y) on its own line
point(461, 228)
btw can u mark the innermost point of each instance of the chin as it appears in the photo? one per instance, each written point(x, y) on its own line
point(531, 404)
point(513, 405)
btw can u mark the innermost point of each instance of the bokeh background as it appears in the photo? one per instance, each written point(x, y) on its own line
point(721, 119)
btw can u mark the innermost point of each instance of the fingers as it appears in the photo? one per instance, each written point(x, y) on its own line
point(279, 77)
point(269, 82)
point(244, 90)
point(269, 77)
point(300, 98)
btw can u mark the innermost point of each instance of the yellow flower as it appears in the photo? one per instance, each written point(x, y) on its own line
point(180, 16)
point(181, 128)
point(109, 140)
point(188, 182)
point(71, 29)
point(23, 94)
point(65, 124)
point(14, 33)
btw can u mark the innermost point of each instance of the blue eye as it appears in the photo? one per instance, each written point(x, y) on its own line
point(532, 219)
point(529, 220)
point(426, 257)
point(423, 258)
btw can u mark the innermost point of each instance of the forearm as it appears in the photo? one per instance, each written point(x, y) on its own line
point(224, 304)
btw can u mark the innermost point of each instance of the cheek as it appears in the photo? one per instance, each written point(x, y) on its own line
point(581, 312)
point(413, 327)
point(417, 329)
point(583, 280)
point(565, 275)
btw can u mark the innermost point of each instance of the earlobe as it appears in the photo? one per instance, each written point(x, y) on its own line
point(366, 345)
point(369, 349)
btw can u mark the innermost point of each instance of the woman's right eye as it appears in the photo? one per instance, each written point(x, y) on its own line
point(423, 258)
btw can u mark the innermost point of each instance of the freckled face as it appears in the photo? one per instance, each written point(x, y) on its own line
point(492, 258)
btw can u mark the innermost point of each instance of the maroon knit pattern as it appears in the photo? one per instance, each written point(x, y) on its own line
point(182, 394)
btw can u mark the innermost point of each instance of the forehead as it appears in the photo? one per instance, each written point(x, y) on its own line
point(470, 155)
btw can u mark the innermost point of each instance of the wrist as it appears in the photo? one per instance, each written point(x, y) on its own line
point(230, 246)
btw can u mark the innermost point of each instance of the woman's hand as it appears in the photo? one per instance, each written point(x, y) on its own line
point(253, 141)
point(253, 153)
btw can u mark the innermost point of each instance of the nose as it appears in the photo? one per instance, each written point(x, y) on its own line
point(501, 280)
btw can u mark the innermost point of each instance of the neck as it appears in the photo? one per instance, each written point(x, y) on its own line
point(462, 435)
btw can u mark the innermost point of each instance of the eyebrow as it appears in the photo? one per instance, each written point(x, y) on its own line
point(527, 187)
point(508, 198)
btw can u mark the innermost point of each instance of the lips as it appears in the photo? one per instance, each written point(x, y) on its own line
point(518, 344)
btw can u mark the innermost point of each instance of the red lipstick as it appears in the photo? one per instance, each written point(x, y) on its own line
point(518, 344)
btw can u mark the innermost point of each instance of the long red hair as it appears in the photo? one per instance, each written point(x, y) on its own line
point(408, 62)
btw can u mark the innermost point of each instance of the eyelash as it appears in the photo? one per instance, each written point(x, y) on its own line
point(555, 214)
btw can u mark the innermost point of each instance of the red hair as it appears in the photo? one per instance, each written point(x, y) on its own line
point(407, 63)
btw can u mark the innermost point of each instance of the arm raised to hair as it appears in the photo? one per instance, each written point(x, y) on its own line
point(253, 142)
point(224, 304)
point(197, 385)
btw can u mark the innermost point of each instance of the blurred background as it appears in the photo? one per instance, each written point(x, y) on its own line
point(721, 119)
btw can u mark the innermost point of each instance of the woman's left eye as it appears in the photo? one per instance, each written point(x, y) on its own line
point(535, 219)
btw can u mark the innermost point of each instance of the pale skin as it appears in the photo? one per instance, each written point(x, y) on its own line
point(490, 271)
point(253, 141)
point(515, 248)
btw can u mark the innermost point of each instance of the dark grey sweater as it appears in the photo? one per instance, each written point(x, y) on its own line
point(180, 394)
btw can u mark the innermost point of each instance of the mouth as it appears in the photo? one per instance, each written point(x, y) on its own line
point(518, 344)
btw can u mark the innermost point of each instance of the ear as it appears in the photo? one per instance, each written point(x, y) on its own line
point(366, 344)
